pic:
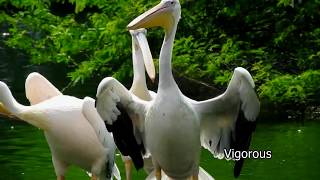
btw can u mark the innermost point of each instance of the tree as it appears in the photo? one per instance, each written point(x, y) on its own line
point(278, 41)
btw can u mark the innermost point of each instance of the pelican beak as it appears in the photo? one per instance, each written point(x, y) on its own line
point(147, 56)
point(159, 15)
point(4, 111)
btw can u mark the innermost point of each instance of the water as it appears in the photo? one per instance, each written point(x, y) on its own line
point(24, 154)
point(295, 154)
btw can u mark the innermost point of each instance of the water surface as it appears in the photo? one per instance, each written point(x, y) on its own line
point(24, 154)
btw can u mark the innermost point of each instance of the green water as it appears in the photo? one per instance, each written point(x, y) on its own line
point(24, 154)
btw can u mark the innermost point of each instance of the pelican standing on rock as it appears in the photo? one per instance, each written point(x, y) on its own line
point(174, 125)
point(74, 130)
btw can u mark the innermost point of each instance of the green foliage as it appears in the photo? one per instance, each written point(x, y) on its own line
point(278, 41)
point(90, 39)
point(285, 88)
point(291, 89)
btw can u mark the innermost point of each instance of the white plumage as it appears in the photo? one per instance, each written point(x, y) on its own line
point(174, 125)
point(140, 54)
point(218, 115)
point(71, 127)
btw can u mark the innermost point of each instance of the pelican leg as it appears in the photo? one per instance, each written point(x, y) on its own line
point(60, 178)
point(195, 174)
point(158, 173)
point(59, 168)
point(128, 166)
point(195, 177)
point(94, 177)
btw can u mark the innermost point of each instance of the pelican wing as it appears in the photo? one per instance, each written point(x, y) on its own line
point(38, 88)
point(124, 115)
point(106, 139)
point(227, 121)
point(91, 114)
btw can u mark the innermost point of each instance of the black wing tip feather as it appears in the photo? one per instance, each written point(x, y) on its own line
point(124, 138)
point(109, 169)
point(243, 133)
point(237, 168)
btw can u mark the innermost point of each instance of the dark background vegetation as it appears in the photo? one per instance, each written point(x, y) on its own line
point(278, 41)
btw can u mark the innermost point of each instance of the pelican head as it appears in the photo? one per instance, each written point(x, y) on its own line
point(142, 51)
point(166, 14)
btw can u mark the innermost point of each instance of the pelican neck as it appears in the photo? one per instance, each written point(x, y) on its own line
point(10, 103)
point(166, 79)
point(139, 86)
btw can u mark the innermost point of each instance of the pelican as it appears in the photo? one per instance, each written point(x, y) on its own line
point(74, 130)
point(140, 51)
point(175, 126)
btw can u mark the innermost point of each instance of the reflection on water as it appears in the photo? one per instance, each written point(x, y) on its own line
point(24, 154)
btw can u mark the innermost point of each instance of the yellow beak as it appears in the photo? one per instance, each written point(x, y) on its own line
point(147, 56)
point(156, 16)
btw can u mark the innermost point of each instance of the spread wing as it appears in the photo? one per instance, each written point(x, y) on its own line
point(228, 121)
point(38, 88)
point(124, 114)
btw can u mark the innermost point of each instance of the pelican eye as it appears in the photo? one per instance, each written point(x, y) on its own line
point(170, 2)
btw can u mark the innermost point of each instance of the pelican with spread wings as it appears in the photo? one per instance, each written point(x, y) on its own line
point(172, 126)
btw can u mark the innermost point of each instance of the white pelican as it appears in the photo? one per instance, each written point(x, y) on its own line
point(140, 53)
point(174, 125)
point(141, 50)
point(74, 130)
